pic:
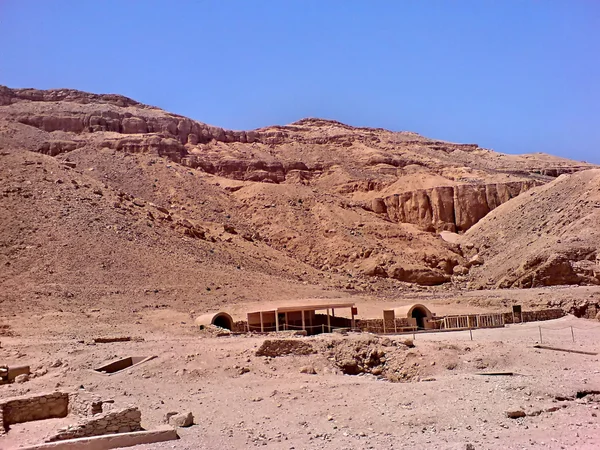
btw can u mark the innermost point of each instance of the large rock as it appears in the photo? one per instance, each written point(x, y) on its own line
point(181, 420)
point(133, 125)
point(420, 275)
point(515, 414)
point(371, 268)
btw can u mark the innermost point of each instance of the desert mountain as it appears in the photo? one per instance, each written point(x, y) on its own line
point(103, 196)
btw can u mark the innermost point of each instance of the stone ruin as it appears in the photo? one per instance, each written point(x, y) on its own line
point(93, 419)
point(123, 420)
point(33, 407)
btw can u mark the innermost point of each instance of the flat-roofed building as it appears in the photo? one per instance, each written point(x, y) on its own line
point(313, 318)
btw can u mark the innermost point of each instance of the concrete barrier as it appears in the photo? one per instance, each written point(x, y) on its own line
point(109, 441)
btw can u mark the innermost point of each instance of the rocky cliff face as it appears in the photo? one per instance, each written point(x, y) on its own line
point(449, 208)
point(267, 154)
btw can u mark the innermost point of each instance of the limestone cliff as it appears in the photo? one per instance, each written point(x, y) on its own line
point(449, 208)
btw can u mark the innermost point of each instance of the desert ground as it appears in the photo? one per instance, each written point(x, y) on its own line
point(241, 400)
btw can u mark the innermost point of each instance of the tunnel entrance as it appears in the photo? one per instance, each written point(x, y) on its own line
point(419, 315)
point(223, 321)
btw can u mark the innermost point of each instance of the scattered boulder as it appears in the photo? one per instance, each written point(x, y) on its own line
point(515, 414)
point(40, 372)
point(22, 378)
point(169, 415)
point(309, 370)
point(349, 366)
point(372, 269)
point(181, 420)
point(229, 229)
point(476, 260)
point(460, 270)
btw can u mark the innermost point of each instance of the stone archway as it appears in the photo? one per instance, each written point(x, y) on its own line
point(223, 320)
point(419, 314)
point(219, 319)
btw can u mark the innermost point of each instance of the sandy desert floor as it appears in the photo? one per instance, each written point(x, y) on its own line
point(445, 405)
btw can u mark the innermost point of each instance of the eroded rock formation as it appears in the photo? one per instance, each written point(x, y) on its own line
point(449, 208)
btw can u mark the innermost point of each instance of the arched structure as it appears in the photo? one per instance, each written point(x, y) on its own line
point(220, 319)
point(417, 314)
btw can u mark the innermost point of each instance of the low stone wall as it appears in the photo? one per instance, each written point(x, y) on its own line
point(536, 316)
point(119, 440)
point(376, 325)
point(241, 326)
point(33, 407)
point(117, 421)
point(85, 404)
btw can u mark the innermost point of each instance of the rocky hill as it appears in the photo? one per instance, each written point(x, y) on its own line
point(105, 195)
point(547, 236)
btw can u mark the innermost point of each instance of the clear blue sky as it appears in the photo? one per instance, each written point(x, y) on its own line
point(516, 76)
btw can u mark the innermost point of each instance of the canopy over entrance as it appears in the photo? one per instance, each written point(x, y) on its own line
point(309, 318)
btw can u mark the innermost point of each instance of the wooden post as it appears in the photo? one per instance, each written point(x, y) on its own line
point(276, 321)
point(540, 328)
point(332, 312)
point(471, 333)
point(572, 334)
point(303, 323)
point(352, 324)
point(262, 326)
point(286, 321)
point(323, 328)
point(328, 321)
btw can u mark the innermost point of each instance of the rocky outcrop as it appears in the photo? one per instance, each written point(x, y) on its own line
point(423, 276)
point(409, 273)
point(112, 115)
point(575, 266)
point(8, 96)
point(449, 208)
point(241, 169)
point(185, 130)
point(150, 129)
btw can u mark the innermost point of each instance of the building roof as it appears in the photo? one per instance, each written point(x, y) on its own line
point(309, 307)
